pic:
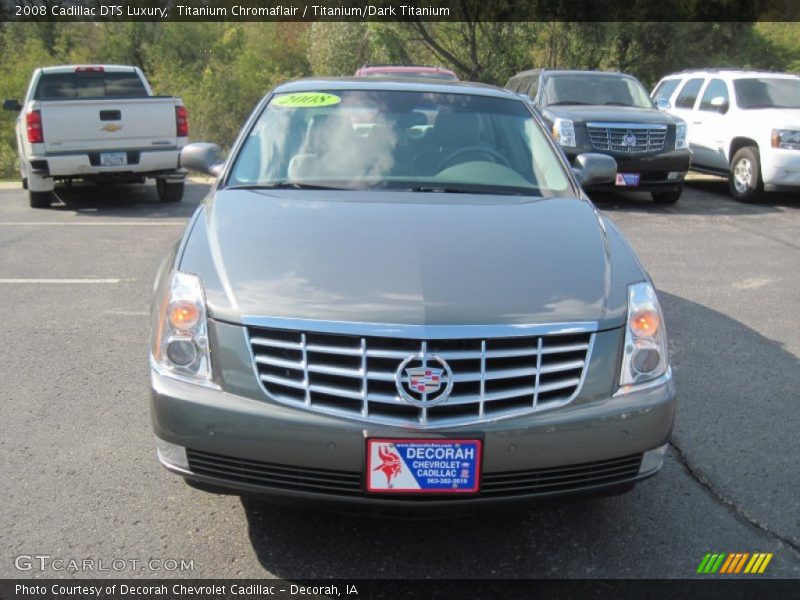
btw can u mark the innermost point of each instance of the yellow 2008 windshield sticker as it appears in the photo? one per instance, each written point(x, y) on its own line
point(306, 100)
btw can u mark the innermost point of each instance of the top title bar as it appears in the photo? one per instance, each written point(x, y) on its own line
point(399, 10)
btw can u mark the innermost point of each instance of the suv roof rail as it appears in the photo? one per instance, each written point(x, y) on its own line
point(730, 69)
point(369, 65)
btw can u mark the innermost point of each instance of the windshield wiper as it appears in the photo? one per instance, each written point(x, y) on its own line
point(468, 189)
point(616, 104)
point(285, 185)
point(567, 103)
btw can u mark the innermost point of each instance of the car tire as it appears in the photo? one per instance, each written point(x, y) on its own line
point(169, 191)
point(744, 178)
point(40, 199)
point(670, 197)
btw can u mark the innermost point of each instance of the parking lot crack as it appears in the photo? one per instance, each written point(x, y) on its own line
point(740, 512)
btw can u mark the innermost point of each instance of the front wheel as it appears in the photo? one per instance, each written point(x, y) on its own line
point(670, 197)
point(40, 199)
point(169, 191)
point(744, 179)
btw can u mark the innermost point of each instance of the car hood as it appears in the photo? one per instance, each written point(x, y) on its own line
point(622, 114)
point(409, 258)
point(779, 118)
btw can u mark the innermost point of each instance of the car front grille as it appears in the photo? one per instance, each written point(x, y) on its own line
point(571, 478)
point(355, 376)
point(627, 138)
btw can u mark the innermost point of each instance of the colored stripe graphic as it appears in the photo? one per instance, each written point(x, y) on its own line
point(701, 567)
point(740, 564)
point(727, 564)
point(734, 563)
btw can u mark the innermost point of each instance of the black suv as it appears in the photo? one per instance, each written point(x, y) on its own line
point(611, 113)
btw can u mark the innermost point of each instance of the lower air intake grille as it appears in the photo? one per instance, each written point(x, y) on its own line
point(532, 482)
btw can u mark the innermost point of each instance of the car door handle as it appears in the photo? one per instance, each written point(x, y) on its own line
point(697, 122)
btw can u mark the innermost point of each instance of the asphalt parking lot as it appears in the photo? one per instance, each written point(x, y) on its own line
point(80, 479)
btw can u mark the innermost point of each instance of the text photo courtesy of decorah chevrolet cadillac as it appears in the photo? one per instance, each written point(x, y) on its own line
point(397, 293)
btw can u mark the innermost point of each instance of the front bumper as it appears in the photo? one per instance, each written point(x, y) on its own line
point(659, 172)
point(255, 446)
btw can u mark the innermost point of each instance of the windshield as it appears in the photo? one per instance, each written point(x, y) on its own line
point(420, 141)
point(762, 92)
point(587, 88)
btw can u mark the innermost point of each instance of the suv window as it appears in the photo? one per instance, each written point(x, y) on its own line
point(716, 89)
point(688, 95)
point(531, 85)
point(665, 89)
point(767, 92)
point(514, 84)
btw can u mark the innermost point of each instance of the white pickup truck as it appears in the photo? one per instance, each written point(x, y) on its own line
point(98, 123)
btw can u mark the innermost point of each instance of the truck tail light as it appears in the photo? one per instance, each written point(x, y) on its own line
point(33, 120)
point(182, 121)
point(89, 69)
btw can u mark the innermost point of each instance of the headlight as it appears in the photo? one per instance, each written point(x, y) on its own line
point(645, 354)
point(680, 137)
point(564, 132)
point(180, 344)
point(788, 139)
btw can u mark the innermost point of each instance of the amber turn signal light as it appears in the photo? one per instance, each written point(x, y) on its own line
point(183, 315)
point(645, 323)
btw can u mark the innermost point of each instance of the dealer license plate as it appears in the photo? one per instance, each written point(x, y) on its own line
point(113, 159)
point(423, 466)
point(627, 179)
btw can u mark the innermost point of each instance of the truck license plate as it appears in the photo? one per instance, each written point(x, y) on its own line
point(627, 179)
point(113, 159)
point(423, 466)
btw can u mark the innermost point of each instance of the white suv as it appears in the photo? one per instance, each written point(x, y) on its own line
point(741, 124)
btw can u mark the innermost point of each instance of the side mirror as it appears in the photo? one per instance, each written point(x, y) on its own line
point(12, 105)
point(662, 104)
point(203, 157)
point(720, 104)
point(593, 169)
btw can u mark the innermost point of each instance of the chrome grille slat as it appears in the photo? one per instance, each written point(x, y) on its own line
point(354, 376)
point(611, 137)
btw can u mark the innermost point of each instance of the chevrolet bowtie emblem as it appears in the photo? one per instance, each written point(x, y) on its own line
point(111, 127)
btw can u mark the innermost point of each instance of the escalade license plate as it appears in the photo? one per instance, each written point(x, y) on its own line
point(627, 179)
point(423, 466)
point(113, 159)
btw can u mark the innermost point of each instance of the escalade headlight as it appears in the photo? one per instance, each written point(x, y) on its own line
point(680, 136)
point(645, 353)
point(564, 132)
point(180, 344)
point(788, 139)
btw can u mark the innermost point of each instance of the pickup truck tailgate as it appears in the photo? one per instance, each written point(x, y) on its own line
point(113, 124)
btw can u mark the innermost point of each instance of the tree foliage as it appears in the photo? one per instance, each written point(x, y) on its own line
point(222, 69)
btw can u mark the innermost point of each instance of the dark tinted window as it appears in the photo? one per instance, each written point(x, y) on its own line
point(665, 89)
point(716, 89)
point(767, 92)
point(688, 95)
point(88, 84)
point(594, 89)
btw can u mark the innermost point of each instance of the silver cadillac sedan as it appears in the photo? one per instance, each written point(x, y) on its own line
point(397, 293)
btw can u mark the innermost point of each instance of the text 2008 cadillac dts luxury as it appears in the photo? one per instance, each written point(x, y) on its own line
point(397, 293)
